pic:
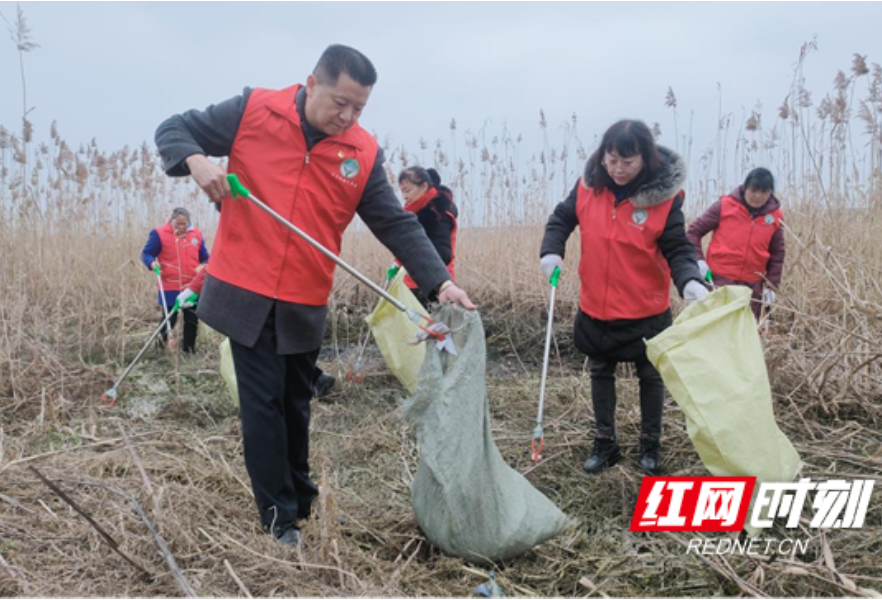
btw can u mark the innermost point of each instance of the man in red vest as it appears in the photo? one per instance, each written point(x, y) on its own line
point(302, 151)
point(178, 249)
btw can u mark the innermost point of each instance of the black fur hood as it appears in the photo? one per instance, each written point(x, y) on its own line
point(667, 183)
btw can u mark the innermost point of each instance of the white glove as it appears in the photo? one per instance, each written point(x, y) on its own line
point(694, 292)
point(187, 298)
point(702, 268)
point(549, 262)
point(769, 296)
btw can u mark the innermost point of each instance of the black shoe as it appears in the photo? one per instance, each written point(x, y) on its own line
point(323, 385)
point(289, 537)
point(304, 507)
point(650, 461)
point(606, 454)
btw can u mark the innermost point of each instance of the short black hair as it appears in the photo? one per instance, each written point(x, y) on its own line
point(418, 176)
point(760, 179)
point(180, 211)
point(338, 59)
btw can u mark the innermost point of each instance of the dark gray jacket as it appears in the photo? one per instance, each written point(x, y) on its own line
point(241, 314)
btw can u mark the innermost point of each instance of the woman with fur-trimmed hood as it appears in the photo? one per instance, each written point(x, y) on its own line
point(629, 210)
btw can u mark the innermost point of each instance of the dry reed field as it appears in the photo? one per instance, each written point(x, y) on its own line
point(160, 475)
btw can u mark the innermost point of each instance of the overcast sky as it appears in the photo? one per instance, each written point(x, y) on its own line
point(114, 71)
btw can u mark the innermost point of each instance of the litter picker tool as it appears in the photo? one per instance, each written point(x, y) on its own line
point(538, 445)
point(156, 269)
point(426, 325)
point(354, 374)
point(111, 395)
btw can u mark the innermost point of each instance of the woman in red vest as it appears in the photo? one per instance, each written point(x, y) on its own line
point(747, 247)
point(433, 205)
point(179, 250)
point(628, 208)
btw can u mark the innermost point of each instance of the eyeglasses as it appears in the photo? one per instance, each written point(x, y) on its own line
point(622, 165)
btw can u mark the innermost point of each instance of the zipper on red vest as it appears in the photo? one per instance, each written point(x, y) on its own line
point(747, 249)
point(606, 283)
point(293, 205)
point(291, 214)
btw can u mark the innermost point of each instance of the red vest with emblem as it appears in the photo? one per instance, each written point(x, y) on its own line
point(739, 249)
point(623, 272)
point(415, 207)
point(318, 191)
point(179, 257)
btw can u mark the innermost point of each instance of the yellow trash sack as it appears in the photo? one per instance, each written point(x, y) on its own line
point(228, 371)
point(712, 362)
point(393, 332)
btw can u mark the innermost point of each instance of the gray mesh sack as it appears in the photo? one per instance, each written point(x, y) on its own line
point(466, 499)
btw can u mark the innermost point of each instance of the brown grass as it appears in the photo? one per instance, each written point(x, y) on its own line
point(76, 305)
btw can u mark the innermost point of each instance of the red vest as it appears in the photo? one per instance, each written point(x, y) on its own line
point(179, 257)
point(415, 207)
point(623, 272)
point(739, 249)
point(451, 266)
point(318, 191)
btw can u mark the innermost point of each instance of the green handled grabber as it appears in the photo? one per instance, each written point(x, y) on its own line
point(538, 445)
point(354, 374)
point(158, 272)
point(426, 325)
point(709, 278)
point(111, 395)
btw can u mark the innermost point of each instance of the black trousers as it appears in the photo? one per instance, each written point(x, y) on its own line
point(608, 343)
point(274, 395)
point(191, 328)
point(603, 397)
